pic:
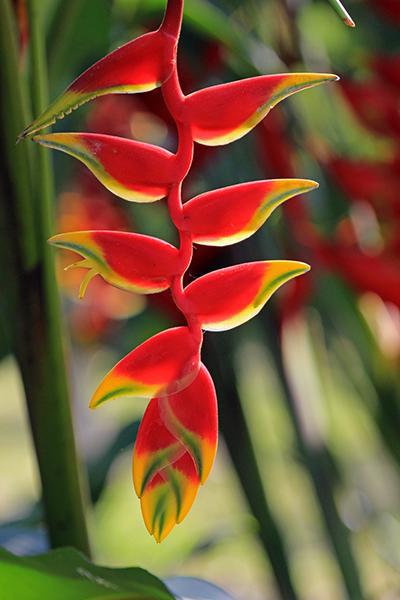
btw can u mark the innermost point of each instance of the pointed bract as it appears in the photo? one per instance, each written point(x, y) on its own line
point(232, 214)
point(229, 297)
point(223, 113)
point(133, 262)
point(164, 364)
point(132, 170)
point(138, 66)
point(174, 452)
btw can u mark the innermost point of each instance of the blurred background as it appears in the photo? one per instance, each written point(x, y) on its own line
point(304, 498)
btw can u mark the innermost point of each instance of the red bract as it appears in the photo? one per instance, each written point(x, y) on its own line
point(248, 204)
point(164, 364)
point(139, 66)
point(224, 113)
point(131, 261)
point(131, 170)
point(177, 439)
point(229, 297)
point(174, 452)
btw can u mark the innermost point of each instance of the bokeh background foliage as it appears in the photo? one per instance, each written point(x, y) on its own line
point(303, 501)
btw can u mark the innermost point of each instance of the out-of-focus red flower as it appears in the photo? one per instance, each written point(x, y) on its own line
point(387, 66)
point(375, 104)
point(379, 274)
point(375, 182)
point(276, 152)
point(390, 9)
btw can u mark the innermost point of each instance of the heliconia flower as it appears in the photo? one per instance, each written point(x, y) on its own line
point(248, 205)
point(223, 113)
point(177, 439)
point(132, 170)
point(134, 262)
point(174, 452)
point(228, 297)
point(138, 66)
point(164, 364)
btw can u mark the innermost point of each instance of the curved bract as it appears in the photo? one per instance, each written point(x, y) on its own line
point(229, 297)
point(224, 113)
point(133, 262)
point(248, 205)
point(132, 170)
point(174, 452)
point(164, 364)
point(140, 65)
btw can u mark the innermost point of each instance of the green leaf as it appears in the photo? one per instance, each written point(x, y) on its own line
point(66, 574)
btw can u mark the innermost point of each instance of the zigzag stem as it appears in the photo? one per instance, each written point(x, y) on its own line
point(174, 100)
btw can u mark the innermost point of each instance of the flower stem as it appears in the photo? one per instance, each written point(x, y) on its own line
point(37, 335)
point(175, 100)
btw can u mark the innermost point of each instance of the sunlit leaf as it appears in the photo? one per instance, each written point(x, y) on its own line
point(138, 66)
point(132, 170)
point(131, 261)
point(231, 214)
point(174, 452)
point(67, 575)
point(223, 113)
point(228, 297)
point(164, 364)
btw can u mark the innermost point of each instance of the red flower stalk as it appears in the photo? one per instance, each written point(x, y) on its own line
point(177, 440)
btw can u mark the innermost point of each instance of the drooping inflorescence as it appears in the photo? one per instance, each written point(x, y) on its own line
point(177, 439)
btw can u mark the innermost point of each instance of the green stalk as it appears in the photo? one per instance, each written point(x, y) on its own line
point(342, 12)
point(237, 437)
point(37, 335)
point(14, 114)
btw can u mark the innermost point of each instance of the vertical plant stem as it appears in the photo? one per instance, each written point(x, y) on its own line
point(17, 159)
point(240, 446)
point(37, 335)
